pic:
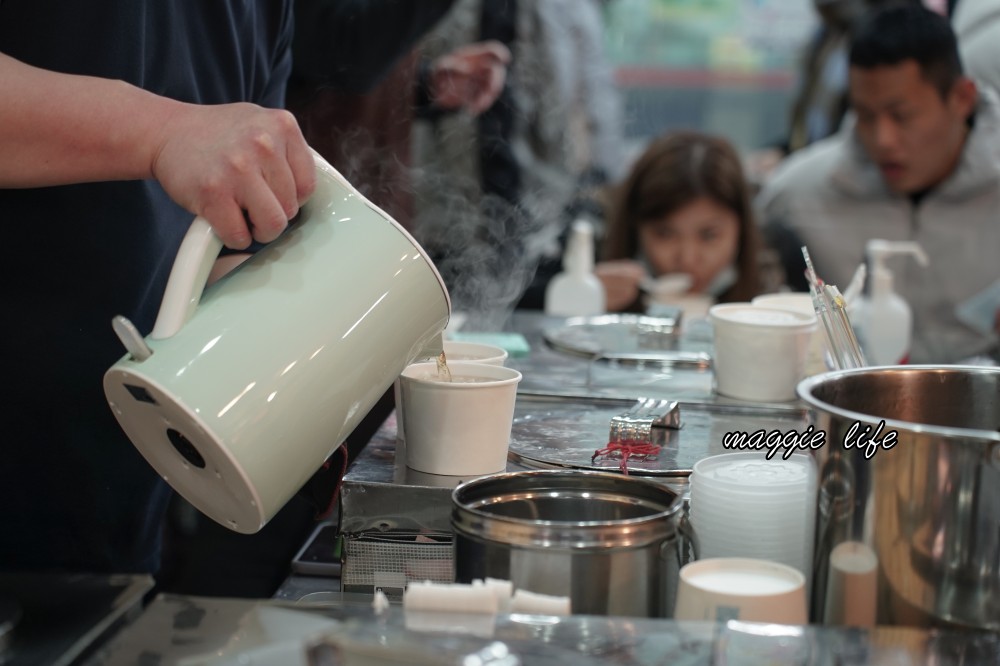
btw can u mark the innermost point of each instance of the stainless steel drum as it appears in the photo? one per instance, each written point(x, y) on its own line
point(911, 534)
point(611, 543)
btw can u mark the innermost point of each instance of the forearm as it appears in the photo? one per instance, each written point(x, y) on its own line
point(58, 128)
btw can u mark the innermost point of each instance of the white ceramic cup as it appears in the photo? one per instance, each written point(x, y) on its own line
point(460, 427)
point(801, 302)
point(760, 353)
point(738, 588)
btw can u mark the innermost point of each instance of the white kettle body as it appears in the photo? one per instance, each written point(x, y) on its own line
point(239, 396)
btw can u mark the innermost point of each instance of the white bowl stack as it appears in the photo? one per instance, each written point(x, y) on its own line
point(743, 505)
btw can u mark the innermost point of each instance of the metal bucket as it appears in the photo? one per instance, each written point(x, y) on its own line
point(613, 544)
point(924, 513)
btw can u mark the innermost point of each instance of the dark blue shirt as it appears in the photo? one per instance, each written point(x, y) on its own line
point(74, 493)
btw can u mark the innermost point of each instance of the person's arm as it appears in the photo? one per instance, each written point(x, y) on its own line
point(216, 161)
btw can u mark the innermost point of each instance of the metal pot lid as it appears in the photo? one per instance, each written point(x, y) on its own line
point(614, 334)
point(567, 434)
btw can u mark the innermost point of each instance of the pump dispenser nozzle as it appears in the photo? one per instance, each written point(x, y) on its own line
point(879, 250)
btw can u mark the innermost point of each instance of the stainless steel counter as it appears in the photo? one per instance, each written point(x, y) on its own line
point(564, 406)
point(64, 616)
point(313, 617)
point(201, 631)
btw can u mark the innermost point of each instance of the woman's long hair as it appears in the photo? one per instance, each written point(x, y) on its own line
point(674, 171)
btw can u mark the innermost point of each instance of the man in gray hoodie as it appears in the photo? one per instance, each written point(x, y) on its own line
point(919, 160)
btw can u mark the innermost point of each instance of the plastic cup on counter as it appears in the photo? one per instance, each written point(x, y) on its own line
point(744, 505)
point(458, 427)
point(760, 353)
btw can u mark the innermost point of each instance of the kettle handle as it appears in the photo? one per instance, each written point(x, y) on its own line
point(198, 252)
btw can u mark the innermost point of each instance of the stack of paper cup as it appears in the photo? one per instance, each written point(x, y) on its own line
point(743, 505)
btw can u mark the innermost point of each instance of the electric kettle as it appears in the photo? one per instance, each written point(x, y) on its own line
point(244, 388)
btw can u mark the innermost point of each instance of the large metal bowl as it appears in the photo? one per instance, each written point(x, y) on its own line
point(928, 508)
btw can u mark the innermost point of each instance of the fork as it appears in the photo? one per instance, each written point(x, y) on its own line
point(638, 422)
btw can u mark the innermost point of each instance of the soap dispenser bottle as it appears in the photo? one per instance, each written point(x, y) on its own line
point(576, 290)
point(883, 319)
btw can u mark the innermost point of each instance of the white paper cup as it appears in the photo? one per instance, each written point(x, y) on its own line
point(738, 588)
point(801, 302)
point(475, 352)
point(760, 353)
point(461, 427)
point(455, 351)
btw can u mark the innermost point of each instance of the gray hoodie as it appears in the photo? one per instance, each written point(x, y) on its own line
point(833, 197)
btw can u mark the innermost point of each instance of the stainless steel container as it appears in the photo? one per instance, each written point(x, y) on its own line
point(613, 544)
point(924, 513)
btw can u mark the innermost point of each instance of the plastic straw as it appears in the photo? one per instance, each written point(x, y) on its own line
point(831, 310)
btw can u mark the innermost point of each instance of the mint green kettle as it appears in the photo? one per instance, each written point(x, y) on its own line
point(244, 388)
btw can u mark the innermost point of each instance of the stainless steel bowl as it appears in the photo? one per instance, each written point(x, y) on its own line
point(928, 507)
point(613, 544)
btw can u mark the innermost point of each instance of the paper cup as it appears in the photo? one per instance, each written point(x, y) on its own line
point(800, 302)
point(456, 351)
point(745, 589)
point(475, 352)
point(760, 353)
point(460, 427)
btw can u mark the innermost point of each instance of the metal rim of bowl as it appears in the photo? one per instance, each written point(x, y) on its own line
point(478, 523)
point(806, 386)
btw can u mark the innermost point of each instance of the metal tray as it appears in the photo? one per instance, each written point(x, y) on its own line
point(566, 433)
point(621, 336)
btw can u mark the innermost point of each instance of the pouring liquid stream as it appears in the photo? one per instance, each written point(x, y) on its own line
point(443, 372)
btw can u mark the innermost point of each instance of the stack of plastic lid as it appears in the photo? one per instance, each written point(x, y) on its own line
point(743, 505)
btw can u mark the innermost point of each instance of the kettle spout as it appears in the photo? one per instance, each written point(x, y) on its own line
point(433, 347)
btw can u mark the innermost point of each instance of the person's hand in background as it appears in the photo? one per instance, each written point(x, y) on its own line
point(470, 77)
point(621, 281)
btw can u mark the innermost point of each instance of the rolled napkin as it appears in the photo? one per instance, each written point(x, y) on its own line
point(450, 598)
point(502, 590)
point(531, 603)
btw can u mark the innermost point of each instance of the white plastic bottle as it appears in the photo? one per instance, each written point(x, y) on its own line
point(883, 320)
point(576, 290)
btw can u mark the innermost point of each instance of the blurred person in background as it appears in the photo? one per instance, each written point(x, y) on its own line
point(359, 79)
point(920, 161)
point(821, 101)
point(977, 26)
point(493, 191)
point(683, 209)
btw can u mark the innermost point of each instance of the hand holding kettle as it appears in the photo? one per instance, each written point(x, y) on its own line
point(216, 161)
point(221, 160)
